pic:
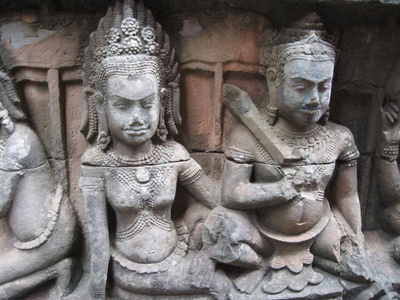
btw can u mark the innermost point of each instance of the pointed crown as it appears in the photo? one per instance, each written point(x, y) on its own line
point(128, 41)
point(305, 37)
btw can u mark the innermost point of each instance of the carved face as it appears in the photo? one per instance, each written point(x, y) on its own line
point(132, 108)
point(304, 94)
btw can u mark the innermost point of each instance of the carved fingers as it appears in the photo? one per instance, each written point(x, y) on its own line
point(390, 123)
point(391, 111)
point(288, 189)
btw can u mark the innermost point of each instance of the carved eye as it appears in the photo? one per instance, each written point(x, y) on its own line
point(147, 104)
point(299, 87)
point(120, 106)
point(324, 87)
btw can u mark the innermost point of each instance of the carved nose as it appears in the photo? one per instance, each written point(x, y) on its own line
point(136, 118)
point(313, 102)
point(134, 121)
point(314, 99)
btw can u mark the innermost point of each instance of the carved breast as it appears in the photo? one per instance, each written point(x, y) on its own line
point(142, 198)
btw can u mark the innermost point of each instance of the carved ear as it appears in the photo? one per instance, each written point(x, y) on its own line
point(271, 76)
point(163, 94)
point(93, 117)
point(172, 108)
point(86, 113)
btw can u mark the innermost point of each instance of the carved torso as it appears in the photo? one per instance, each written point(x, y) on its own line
point(22, 156)
point(320, 150)
point(141, 196)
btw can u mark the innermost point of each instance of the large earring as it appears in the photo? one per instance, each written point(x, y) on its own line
point(272, 115)
point(272, 107)
point(103, 140)
point(103, 137)
point(161, 131)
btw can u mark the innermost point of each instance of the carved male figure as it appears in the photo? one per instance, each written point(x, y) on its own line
point(132, 164)
point(37, 223)
point(279, 164)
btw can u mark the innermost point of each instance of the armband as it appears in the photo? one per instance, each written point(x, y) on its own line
point(191, 175)
point(239, 155)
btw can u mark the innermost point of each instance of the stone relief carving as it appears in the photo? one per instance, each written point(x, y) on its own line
point(388, 174)
point(37, 223)
point(131, 168)
point(289, 192)
point(289, 222)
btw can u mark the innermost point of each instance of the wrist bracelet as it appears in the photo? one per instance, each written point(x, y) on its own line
point(388, 152)
point(96, 294)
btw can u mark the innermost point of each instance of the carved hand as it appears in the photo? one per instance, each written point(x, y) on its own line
point(288, 189)
point(390, 124)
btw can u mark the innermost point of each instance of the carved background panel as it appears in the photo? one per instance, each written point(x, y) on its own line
point(217, 42)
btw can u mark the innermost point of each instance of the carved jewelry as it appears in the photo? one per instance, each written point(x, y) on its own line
point(388, 152)
point(145, 183)
point(161, 153)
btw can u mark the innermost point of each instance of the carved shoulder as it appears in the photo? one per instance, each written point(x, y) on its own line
point(348, 148)
point(23, 149)
point(240, 146)
point(93, 156)
point(179, 153)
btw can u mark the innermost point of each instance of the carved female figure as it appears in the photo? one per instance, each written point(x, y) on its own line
point(132, 164)
point(37, 223)
point(275, 204)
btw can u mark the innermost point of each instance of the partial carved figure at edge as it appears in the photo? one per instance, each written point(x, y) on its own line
point(132, 166)
point(37, 222)
point(289, 193)
point(388, 173)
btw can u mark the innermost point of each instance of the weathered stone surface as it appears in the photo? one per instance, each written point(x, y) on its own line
point(216, 29)
point(37, 222)
point(217, 43)
point(198, 129)
point(55, 50)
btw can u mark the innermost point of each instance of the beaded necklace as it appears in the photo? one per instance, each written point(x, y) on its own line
point(3, 141)
point(146, 185)
point(160, 153)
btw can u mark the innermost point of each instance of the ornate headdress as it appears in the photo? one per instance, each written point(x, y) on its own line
point(128, 41)
point(9, 99)
point(305, 37)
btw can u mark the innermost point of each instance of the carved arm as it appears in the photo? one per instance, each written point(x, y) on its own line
point(387, 152)
point(198, 184)
point(389, 181)
point(239, 193)
point(96, 212)
point(9, 183)
point(344, 197)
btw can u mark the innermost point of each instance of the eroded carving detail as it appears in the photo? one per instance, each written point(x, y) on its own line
point(37, 223)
